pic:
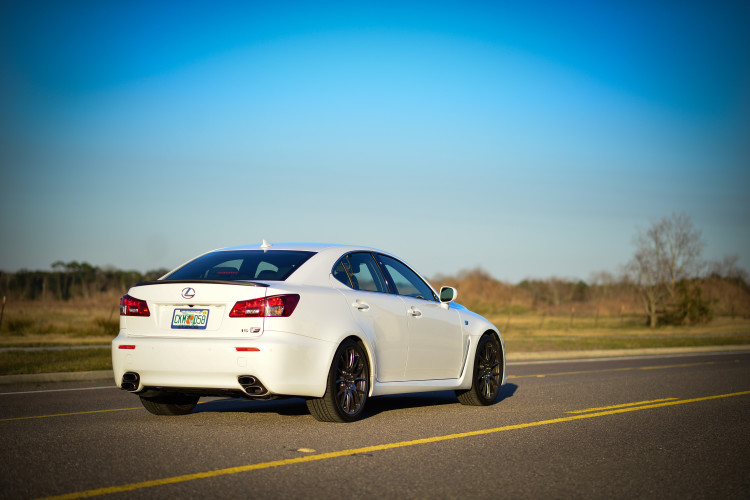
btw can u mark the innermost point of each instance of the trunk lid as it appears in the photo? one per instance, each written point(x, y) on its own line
point(194, 309)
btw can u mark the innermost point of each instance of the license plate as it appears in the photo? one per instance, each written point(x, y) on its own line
point(190, 318)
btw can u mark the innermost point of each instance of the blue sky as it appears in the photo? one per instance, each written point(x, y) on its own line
point(529, 138)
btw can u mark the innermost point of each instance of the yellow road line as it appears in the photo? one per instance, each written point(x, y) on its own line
point(66, 414)
point(604, 370)
point(661, 367)
point(685, 365)
point(581, 372)
point(621, 406)
point(82, 412)
point(367, 449)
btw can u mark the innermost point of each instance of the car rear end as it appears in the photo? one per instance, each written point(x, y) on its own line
point(211, 336)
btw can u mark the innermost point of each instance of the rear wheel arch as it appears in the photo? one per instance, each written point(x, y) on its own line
point(348, 384)
point(368, 352)
point(366, 346)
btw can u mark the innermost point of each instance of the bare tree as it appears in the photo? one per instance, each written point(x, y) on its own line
point(666, 253)
point(728, 269)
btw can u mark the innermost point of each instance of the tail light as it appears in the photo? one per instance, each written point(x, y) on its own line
point(130, 306)
point(274, 306)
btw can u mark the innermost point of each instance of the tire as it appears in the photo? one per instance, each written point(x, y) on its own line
point(347, 386)
point(170, 403)
point(487, 376)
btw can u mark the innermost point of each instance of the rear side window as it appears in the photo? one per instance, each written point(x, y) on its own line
point(359, 271)
point(242, 265)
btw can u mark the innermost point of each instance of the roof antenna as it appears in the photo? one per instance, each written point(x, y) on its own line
point(265, 245)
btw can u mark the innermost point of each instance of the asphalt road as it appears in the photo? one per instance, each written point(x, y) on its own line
point(656, 427)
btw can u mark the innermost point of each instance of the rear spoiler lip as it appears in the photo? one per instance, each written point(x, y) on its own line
point(214, 282)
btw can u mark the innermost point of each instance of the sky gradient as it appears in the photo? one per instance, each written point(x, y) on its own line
point(530, 139)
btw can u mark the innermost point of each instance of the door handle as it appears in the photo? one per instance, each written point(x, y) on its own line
point(362, 306)
point(415, 312)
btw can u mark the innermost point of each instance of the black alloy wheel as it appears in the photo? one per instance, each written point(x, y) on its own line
point(347, 387)
point(488, 373)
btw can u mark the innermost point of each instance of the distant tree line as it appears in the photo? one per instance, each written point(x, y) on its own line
point(665, 280)
point(68, 280)
point(697, 299)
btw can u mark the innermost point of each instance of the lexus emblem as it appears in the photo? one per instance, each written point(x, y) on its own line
point(188, 293)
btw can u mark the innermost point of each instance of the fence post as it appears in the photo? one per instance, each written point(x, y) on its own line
point(596, 318)
point(510, 307)
point(2, 313)
point(572, 310)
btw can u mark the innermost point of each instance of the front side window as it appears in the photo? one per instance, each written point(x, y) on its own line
point(242, 265)
point(406, 281)
point(359, 271)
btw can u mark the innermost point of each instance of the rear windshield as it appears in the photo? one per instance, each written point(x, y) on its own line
point(239, 265)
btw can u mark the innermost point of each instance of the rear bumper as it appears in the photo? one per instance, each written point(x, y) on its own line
point(286, 364)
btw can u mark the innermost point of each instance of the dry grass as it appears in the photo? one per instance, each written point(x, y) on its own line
point(542, 325)
point(93, 320)
point(68, 360)
point(528, 325)
point(536, 332)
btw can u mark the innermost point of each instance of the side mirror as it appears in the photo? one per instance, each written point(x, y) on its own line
point(448, 294)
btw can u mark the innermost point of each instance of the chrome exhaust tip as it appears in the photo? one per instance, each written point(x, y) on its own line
point(246, 380)
point(130, 381)
point(251, 385)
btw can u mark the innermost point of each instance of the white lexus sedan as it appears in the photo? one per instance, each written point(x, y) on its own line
point(333, 324)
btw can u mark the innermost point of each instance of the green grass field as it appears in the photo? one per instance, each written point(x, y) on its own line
point(592, 324)
point(529, 333)
point(535, 333)
point(47, 361)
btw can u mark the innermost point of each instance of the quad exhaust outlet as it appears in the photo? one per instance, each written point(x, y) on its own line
point(130, 381)
point(251, 385)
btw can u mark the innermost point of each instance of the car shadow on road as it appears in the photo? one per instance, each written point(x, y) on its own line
point(506, 391)
point(424, 399)
point(287, 406)
point(296, 406)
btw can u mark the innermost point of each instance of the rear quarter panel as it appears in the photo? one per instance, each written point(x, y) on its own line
point(321, 313)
